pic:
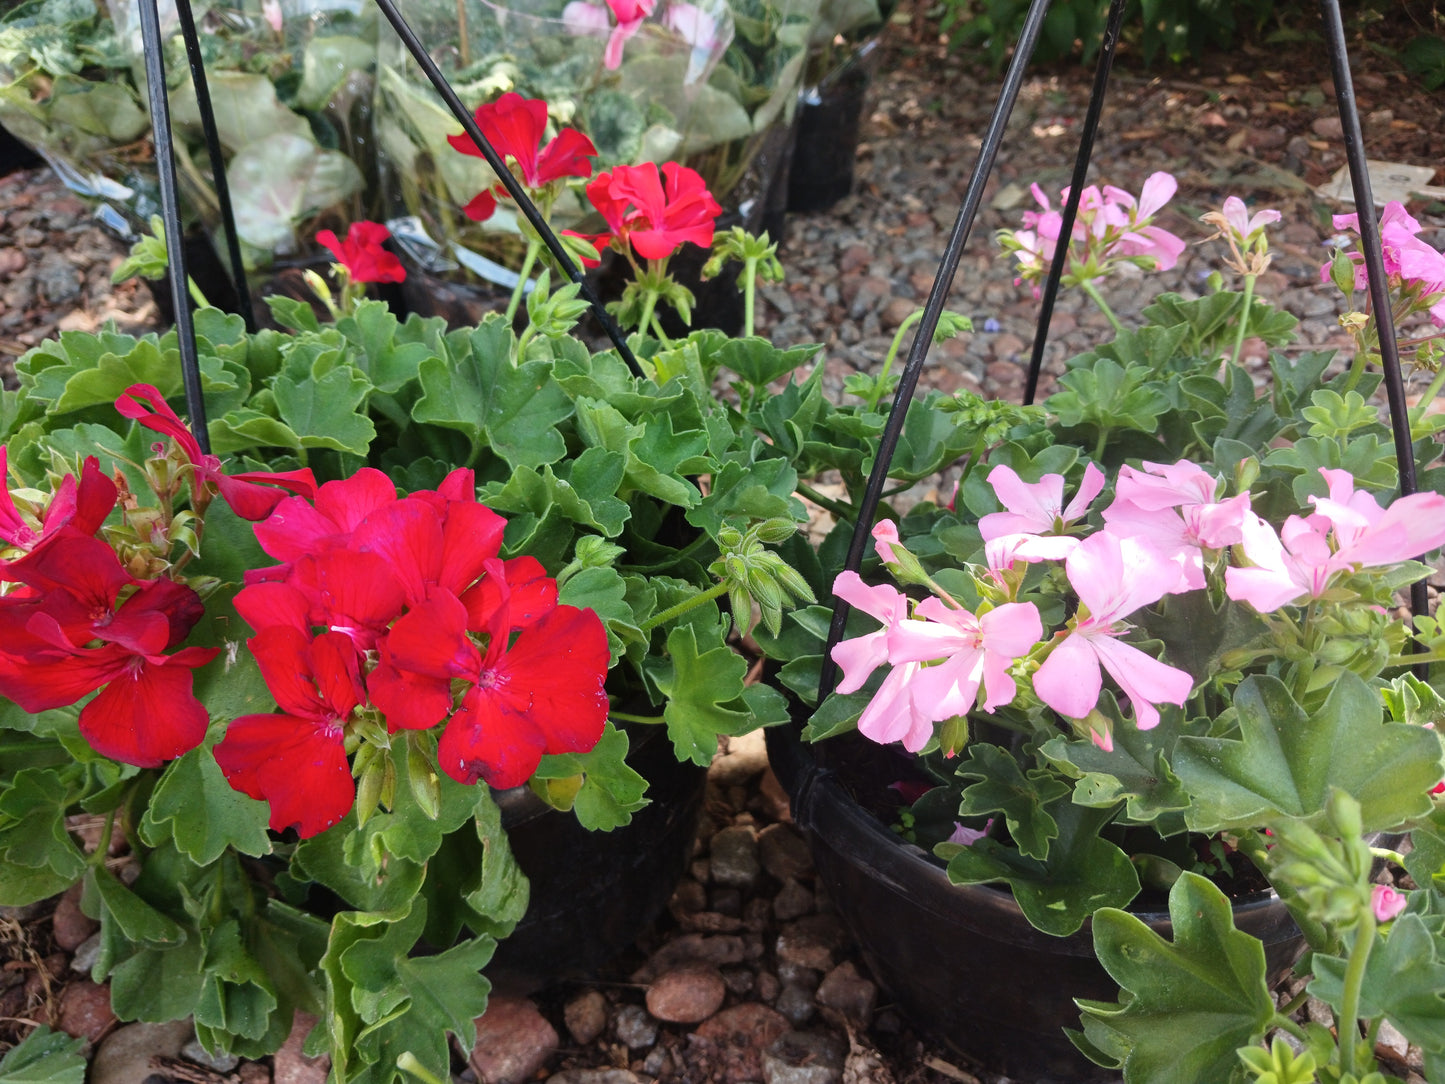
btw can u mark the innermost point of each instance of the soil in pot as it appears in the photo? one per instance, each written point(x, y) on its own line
point(961, 961)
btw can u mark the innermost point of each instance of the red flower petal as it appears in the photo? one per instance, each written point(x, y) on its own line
point(264, 604)
point(43, 678)
point(471, 536)
point(529, 594)
point(160, 417)
point(253, 495)
point(148, 713)
point(481, 206)
point(296, 765)
point(407, 535)
point(350, 500)
point(559, 664)
point(568, 154)
point(487, 740)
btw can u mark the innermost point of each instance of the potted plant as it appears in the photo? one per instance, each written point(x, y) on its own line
point(1151, 641)
point(277, 674)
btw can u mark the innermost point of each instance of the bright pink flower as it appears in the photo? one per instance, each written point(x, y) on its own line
point(514, 126)
point(1386, 902)
point(973, 650)
point(83, 505)
point(1407, 259)
point(1037, 510)
point(1113, 577)
point(251, 495)
point(655, 213)
point(582, 18)
point(885, 537)
point(861, 655)
point(299, 526)
point(295, 759)
point(362, 253)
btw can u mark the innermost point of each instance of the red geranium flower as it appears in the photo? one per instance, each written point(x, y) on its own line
point(514, 126)
point(362, 255)
point(655, 213)
point(296, 760)
point(83, 505)
point(251, 494)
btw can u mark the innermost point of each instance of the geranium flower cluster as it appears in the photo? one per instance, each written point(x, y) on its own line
point(1415, 270)
point(82, 614)
point(1164, 533)
point(1112, 228)
point(400, 611)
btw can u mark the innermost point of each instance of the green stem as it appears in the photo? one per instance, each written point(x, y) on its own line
point(1101, 445)
point(648, 305)
point(626, 717)
point(659, 333)
point(1418, 411)
point(673, 561)
point(1357, 368)
point(1414, 660)
point(903, 328)
point(717, 590)
point(534, 248)
point(839, 509)
point(1284, 1023)
point(1243, 319)
point(1388, 855)
point(1088, 287)
point(1349, 1025)
point(103, 847)
point(750, 284)
point(408, 1063)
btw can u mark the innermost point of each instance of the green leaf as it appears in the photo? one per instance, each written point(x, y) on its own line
point(500, 899)
point(1083, 873)
point(704, 690)
point(322, 409)
point(134, 917)
point(1287, 761)
point(1004, 788)
point(37, 855)
point(1190, 1004)
point(44, 1057)
point(1404, 982)
point(611, 790)
point(387, 363)
point(656, 455)
point(759, 362)
point(195, 806)
point(1136, 771)
point(513, 410)
point(1195, 633)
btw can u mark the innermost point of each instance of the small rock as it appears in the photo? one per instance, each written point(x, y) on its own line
point(740, 1035)
point(514, 1040)
point(746, 756)
point(686, 995)
point(57, 278)
point(85, 1010)
point(12, 261)
point(1328, 127)
point(792, 901)
point(124, 1056)
point(593, 1076)
point(717, 949)
point(585, 1017)
point(768, 985)
point(70, 925)
point(23, 913)
point(784, 853)
point(634, 1027)
point(805, 1058)
point(85, 954)
point(1389, 1037)
point(253, 1072)
point(796, 1003)
point(221, 1063)
point(289, 1065)
point(810, 942)
point(734, 857)
point(850, 993)
point(740, 980)
point(658, 1062)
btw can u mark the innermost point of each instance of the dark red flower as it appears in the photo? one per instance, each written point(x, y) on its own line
point(656, 213)
point(252, 495)
point(514, 126)
point(362, 253)
point(296, 759)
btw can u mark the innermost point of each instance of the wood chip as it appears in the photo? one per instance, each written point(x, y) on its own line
point(948, 1069)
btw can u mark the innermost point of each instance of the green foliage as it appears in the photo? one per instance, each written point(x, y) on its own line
point(44, 1057)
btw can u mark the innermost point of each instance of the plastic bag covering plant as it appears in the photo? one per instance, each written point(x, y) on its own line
point(700, 83)
point(402, 571)
point(291, 101)
point(1155, 639)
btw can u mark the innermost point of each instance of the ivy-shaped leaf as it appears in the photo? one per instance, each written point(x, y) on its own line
point(44, 1057)
point(1135, 771)
point(1022, 798)
point(1188, 1004)
point(1404, 982)
point(703, 688)
point(321, 409)
point(195, 806)
point(611, 791)
point(1287, 761)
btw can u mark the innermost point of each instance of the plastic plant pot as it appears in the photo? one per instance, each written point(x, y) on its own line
point(827, 140)
point(961, 961)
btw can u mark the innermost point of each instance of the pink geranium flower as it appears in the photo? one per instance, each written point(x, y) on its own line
point(1386, 902)
point(583, 18)
point(1113, 577)
point(1036, 513)
point(973, 651)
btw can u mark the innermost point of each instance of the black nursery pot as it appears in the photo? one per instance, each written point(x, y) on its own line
point(961, 961)
point(827, 142)
point(593, 893)
point(15, 155)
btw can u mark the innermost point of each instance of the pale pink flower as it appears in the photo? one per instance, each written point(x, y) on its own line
point(1113, 577)
point(1386, 902)
point(1036, 508)
point(583, 19)
point(1243, 226)
point(885, 537)
point(860, 656)
point(694, 25)
point(973, 650)
point(1407, 259)
point(1369, 536)
point(271, 12)
point(899, 711)
point(966, 836)
point(1286, 566)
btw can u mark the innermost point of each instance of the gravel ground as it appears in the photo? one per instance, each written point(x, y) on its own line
point(750, 952)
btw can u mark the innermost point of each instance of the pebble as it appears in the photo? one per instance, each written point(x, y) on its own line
point(796, 1003)
point(784, 853)
point(634, 1027)
point(792, 901)
point(744, 757)
point(85, 1010)
point(70, 926)
point(585, 1016)
point(514, 1041)
point(594, 1076)
point(810, 942)
point(849, 992)
point(686, 995)
point(802, 1057)
point(733, 857)
point(124, 1056)
point(85, 954)
point(221, 1063)
point(289, 1065)
point(740, 1035)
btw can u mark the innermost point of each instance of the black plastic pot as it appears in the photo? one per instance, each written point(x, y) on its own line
point(593, 893)
point(15, 155)
point(961, 961)
point(826, 149)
